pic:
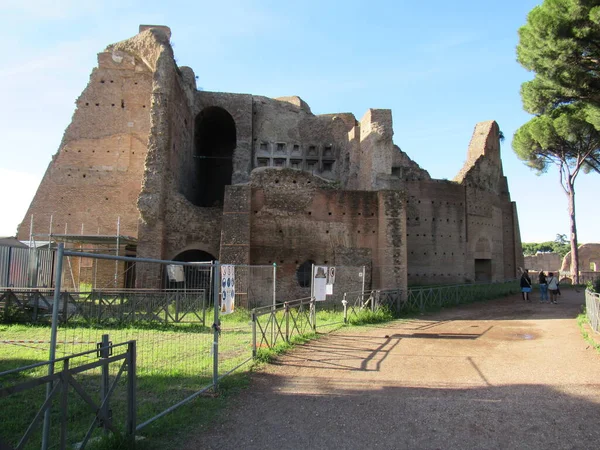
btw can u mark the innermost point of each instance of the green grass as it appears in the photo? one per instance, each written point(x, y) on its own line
point(582, 320)
point(366, 316)
point(174, 361)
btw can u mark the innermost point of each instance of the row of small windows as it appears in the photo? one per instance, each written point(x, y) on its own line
point(283, 148)
point(112, 104)
point(94, 151)
point(112, 81)
point(309, 165)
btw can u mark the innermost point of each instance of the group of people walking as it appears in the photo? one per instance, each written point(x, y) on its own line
point(548, 284)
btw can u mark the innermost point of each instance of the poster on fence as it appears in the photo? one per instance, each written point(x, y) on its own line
point(175, 273)
point(320, 283)
point(227, 288)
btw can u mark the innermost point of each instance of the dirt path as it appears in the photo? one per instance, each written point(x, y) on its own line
point(503, 374)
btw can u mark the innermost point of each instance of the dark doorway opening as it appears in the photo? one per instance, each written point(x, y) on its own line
point(196, 276)
point(214, 141)
point(483, 270)
point(304, 273)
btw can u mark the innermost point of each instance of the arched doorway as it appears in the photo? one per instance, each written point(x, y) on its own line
point(483, 260)
point(197, 276)
point(214, 142)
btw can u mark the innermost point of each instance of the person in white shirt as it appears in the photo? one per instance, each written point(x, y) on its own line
point(552, 287)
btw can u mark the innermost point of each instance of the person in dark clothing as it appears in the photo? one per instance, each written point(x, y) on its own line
point(543, 287)
point(525, 285)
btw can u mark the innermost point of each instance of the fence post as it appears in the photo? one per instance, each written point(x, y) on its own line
point(64, 398)
point(104, 382)
point(131, 390)
point(254, 333)
point(286, 312)
point(216, 324)
point(313, 310)
point(53, 331)
point(345, 304)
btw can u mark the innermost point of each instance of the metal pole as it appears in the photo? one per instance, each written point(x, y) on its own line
point(50, 233)
point(274, 283)
point(254, 333)
point(216, 324)
point(274, 310)
point(312, 295)
point(31, 231)
point(131, 391)
point(104, 381)
point(117, 252)
point(363, 285)
point(7, 284)
point(52, 355)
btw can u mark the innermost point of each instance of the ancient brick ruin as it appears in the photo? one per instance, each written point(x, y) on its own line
point(245, 179)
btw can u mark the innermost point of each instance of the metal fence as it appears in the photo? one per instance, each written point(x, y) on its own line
point(184, 344)
point(592, 308)
point(107, 307)
point(584, 276)
point(272, 325)
point(26, 267)
point(85, 393)
point(178, 355)
point(421, 299)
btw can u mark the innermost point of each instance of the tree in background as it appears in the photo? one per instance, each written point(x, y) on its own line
point(561, 44)
point(565, 139)
point(560, 246)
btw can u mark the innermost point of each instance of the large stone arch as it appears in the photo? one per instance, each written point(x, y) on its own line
point(215, 139)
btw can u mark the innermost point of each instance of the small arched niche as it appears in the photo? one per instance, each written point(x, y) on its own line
point(214, 142)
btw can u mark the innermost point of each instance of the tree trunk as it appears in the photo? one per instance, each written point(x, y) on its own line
point(573, 223)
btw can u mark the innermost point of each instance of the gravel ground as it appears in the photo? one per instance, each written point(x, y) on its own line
point(498, 375)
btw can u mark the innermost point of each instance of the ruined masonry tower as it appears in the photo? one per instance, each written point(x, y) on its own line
point(246, 179)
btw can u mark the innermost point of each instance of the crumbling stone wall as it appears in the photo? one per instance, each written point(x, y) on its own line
point(296, 217)
point(96, 175)
point(326, 187)
point(548, 262)
point(589, 259)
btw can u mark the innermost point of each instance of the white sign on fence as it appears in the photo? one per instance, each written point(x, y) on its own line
point(227, 288)
point(175, 273)
point(320, 283)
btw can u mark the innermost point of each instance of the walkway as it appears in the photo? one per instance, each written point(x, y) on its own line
point(498, 375)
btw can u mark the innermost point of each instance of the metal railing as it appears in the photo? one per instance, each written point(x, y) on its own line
point(421, 299)
point(278, 323)
point(68, 398)
point(107, 306)
point(592, 308)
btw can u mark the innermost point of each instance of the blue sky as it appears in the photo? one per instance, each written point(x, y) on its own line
point(440, 66)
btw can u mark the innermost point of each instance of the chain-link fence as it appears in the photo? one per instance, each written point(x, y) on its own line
point(184, 344)
point(592, 308)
